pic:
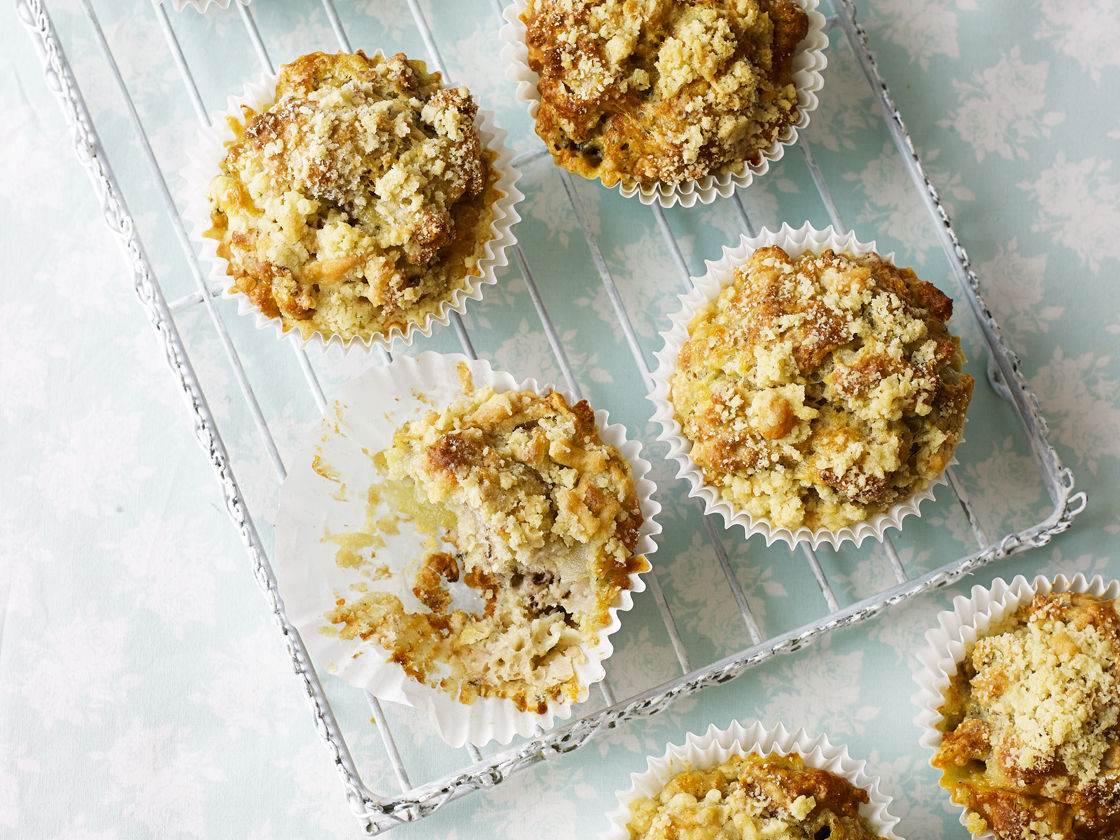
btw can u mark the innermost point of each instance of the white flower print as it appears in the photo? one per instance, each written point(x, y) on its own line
point(1015, 286)
point(1079, 204)
point(250, 686)
point(846, 112)
point(160, 779)
point(1087, 36)
point(18, 773)
point(314, 792)
point(925, 28)
point(890, 205)
point(556, 804)
point(803, 681)
point(1002, 108)
point(90, 251)
point(93, 466)
point(171, 570)
point(1008, 483)
point(902, 629)
point(76, 670)
point(702, 603)
point(26, 350)
point(646, 660)
point(1080, 396)
point(37, 180)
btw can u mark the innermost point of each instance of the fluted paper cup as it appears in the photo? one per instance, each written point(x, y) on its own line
point(957, 632)
point(326, 495)
point(721, 273)
point(740, 739)
point(809, 62)
point(204, 163)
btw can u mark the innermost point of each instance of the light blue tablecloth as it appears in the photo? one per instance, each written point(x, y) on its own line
point(143, 688)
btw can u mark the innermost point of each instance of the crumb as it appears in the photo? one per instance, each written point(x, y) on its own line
point(1031, 742)
point(359, 201)
point(662, 92)
point(755, 796)
point(821, 390)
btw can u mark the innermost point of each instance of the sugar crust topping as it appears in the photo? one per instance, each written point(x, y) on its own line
point(659, 91)
point(820, 390)
point(544, 520)
point(753, 797)
point(357, 202)
point(1031, 739)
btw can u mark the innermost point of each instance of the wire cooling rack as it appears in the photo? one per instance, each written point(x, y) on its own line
point(460, 773)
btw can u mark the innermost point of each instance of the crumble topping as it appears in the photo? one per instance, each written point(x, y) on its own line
point(660, 91)
point(773, 797)
point(820, 390)
point(543, 520)
point(1031, 738)
point(359, 201)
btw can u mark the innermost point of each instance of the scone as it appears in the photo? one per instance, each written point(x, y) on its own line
point(359, 201)
point(543, 519)
point(1031, 723)
point(820, 390)
point(753, 796)
point(661, 92)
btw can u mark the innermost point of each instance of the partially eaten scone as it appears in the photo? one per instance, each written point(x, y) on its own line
point(542, 519)
point(359, 201)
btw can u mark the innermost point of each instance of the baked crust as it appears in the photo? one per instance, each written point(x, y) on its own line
point(359, 201)
point(662, 91)
point(775, 795)
point(1031, 723)
point(820, 390)
point(544, 520)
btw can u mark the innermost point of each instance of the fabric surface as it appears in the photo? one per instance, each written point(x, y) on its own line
point(144, 689)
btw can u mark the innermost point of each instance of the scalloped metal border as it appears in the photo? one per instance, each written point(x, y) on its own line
point(423, 800)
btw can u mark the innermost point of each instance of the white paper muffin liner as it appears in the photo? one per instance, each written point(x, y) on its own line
point(333, 500)
point(809, 62)
point(718, 745)
point(721, 273)
point(957, 631)
point(199, 5)
point(204, 163)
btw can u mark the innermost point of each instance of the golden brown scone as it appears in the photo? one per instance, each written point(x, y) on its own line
point(821, 390)
point(544, 518)
point(1031, 743)
point(662, 91)
point(359, 201)
point(753, 796)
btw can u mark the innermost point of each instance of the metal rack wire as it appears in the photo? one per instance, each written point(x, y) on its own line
point(381, 810)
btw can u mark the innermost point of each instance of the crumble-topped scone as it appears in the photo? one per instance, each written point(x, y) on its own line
point(753, 796)
point(1031, 723)
point(820, 390)
point(359, 201)
point(543, 517)
point(662, 91)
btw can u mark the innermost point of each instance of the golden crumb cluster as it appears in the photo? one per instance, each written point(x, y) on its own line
point(753, 797)
point(544, 520)
point(661, 91)
point(820, 390)
point(359, 201)
point(1031, 725)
